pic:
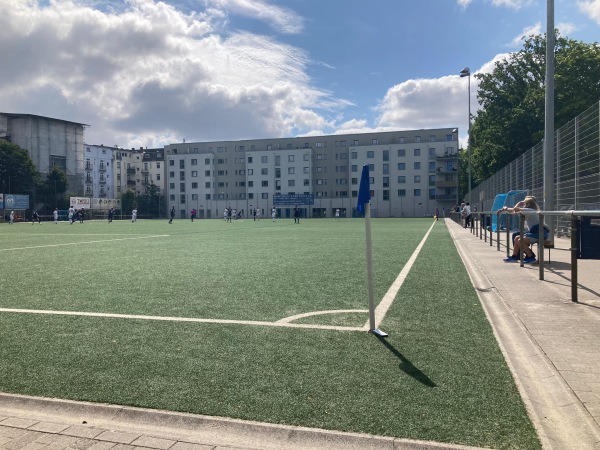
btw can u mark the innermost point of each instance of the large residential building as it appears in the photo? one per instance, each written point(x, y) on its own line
point(98, 180)
point(412, 173)
point(50, 142)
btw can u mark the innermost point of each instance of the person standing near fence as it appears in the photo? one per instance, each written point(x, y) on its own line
point(134, 215)
point(55, 215)
point(296, 214)
point(35, 217)
point(172, 213)
point(11, 218)
point(466, 214)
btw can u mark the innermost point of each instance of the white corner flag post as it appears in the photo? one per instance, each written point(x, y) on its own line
point(364, 207)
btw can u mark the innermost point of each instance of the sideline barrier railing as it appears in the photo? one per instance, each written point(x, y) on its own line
point(483, 221)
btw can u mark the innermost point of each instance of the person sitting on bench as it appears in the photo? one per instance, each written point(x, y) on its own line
point(531, 236)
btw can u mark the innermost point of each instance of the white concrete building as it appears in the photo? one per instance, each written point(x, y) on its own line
point(50, 142)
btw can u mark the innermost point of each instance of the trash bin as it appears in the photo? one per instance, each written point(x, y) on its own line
point(589, 239)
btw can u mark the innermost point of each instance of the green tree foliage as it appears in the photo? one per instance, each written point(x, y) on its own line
point(18, 174)
point(512, 97)
point(128, 201)
point(149, 204)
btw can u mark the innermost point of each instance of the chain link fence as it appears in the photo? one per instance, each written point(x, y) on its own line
point(576, 170)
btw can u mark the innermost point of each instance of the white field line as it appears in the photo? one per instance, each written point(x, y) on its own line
point(286, 322)
point(180, 319)
point(83, 242)
point(388, 298)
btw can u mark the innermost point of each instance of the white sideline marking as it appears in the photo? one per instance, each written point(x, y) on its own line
point(180, 319)
point(83, 242)
point(390, 295)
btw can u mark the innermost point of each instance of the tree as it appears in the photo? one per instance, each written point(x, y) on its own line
point(17, 171)
point(128, 201)
point(149, 203)
point(53, 189)
point(512, 97)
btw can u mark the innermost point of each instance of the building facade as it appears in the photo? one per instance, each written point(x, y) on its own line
point(50, 142)
point(412, 173)
point(98, 179)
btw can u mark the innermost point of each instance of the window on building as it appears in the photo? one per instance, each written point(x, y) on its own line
point(306, 182)
point(306, 157)
point(171, 162)
point(432, 138)
point(290, 158)
point(250, 171)
point(194, 173)
point(371, 167)
point(386, 182)
point(182, 198)
point(171, 174)
point(431, 194)
point(291, 182)
point(386, 195)
point(194, 162)
point(306, 170)
point(417, 152)
point(277, 185)
point(207, 184)
point(417, 192)
point(386, 169)
point(401, 179)
point(264, 183)
point(449, 137)
point(353, 155)
point(277, 172)
point(250, 183)
point(207, 196)
point(432, 166)
point(354, 180)
point(158, 177)
point(370, 154)
point(264, 159)
point(386, 155)
point(431, 180)
point(417, 178)
point(194, 196)
point(269, 147)
point(417, 165)
point(194, 185)
point(401, 166)
point(417, 139)
point(264, 195)
point(277, 160)
point(264, 171)
point(401, 152)
point(207, 173)
point(319, 181)
point(172, 197)
point(291, 170)
point(319, 145)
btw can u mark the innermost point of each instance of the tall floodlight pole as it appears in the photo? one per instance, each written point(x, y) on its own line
point(549, 117)
point(466, 72)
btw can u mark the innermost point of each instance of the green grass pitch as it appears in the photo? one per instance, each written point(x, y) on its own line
point(439, 375)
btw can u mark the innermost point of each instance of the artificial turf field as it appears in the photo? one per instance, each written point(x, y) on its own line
point(246, 329)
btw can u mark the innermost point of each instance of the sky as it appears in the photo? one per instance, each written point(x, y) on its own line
point(146, 73)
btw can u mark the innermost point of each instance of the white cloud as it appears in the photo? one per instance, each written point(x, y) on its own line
point(527, 31)
point(283, 19)
point(514, 4)
point(150, 74)
point(591, 8)
point(566, 28)
point(432, 103)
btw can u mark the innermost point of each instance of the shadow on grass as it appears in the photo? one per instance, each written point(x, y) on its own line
point(406, 366)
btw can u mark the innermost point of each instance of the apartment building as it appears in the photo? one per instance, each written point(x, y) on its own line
point(98, 177)
point(413, 172)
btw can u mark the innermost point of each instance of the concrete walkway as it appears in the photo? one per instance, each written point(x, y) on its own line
point(551, 344)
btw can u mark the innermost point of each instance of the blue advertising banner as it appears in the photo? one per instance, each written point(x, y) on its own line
point(293, 199)
point(13, 201)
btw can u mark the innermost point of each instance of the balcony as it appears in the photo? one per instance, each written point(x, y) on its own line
point(131, 170)
point(446, 183)
point(446, 197)
point(102, 168)
point(88, 167)
point(447, 155)
point(102, 180)
point(130, 182)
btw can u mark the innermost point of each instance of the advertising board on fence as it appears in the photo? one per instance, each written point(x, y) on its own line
point(106, 203)
point(293, 199)
point(80, 202)
point(95, 203)
point(13, 201)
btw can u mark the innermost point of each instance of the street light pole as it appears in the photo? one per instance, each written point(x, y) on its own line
point(466, 72)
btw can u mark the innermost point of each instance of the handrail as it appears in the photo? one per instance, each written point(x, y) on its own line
point(573, 214)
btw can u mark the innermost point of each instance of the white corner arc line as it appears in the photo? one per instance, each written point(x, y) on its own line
point(387, 300)
point(318, 313)
point(83, 242)
point(180, 319)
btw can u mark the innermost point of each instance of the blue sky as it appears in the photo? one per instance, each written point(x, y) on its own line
point(148, 73)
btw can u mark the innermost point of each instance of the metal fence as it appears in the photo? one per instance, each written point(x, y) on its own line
point(576, 169)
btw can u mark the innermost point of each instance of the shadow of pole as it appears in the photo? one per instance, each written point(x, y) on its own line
point(406, 366)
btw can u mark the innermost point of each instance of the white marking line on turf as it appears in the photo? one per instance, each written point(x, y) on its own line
point(318, 313)
point(179, 319)
point(390, 295)
point(83, 242)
